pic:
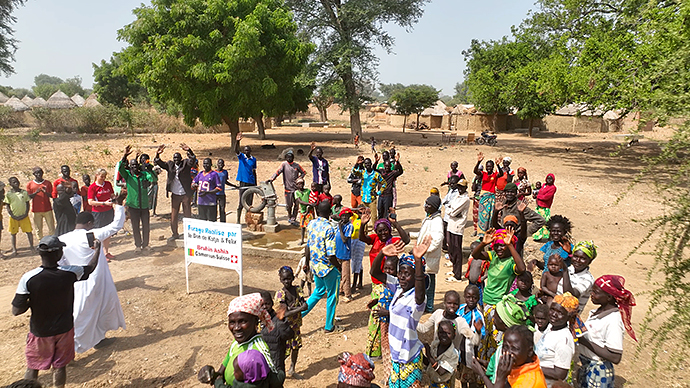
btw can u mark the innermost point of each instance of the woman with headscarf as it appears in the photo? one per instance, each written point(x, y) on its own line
point(544, 201)
point(601, 346)
point(382, 236)
point(406, 308)
point(556, 347)
point(578, 280)
point(487, 199)
point(522, 182)
point(244, 314)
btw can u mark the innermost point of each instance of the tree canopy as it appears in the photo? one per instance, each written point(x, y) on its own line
point(218, 60)
point(112, 86)
point(8, 45)
point(346, 32)
point(45, 85)
point(414, 99)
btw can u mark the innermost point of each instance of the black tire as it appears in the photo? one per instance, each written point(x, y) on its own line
point(480, 141)
point(492, 142)
point(249, 193)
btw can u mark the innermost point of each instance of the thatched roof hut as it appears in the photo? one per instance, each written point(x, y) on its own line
point(77, 99)
point(39, 102)
point(3, 98)
point(438, 109)
point(92, 101)
point(16, 104)
point(28, 101)
point(578, 110)
point(60, 100)
point(464, 109)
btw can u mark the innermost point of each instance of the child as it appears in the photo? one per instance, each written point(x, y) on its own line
point(451, 302)
point(306, 208)
point(49, 292)
point(325, 195)
point(551, 278)
point(65, 215)
point(17, 201)
point(379, 305)
point(373, 145)
point(559, 228)
point(535, 191)
point(477, 272)
point(343, 252)
point(84, 192)
point(305, 276)
point(2, 200)
point(453, 171)
point(337, 204)
point(76, 198)
point(518, 365)
point(523, 292)
point(292, 297)
point(544, 197)
point(442, 356)
point(277, 338)
point(357, 248)
point(472, 314)
point(356, 370)
point(540, 317)
point(252, 371)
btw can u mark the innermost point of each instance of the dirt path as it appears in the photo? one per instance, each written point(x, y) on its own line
point(170, 334)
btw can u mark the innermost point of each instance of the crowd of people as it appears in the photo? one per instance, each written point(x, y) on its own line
point(496, 331)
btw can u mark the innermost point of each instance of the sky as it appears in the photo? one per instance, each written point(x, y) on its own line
point(63, 38)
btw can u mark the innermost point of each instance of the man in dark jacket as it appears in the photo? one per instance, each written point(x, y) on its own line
point(179, 184)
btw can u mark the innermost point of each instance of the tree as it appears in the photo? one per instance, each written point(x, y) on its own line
point(19, 92)
point(324, 97)
point(8, 45)
point(219, 60)
point(112, 86)
point(462, 93)
point(345, 32)
point(388, 90)
point(45, 85)
point(413, 100)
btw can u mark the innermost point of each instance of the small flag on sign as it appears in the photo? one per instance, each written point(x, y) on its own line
point(190, 252)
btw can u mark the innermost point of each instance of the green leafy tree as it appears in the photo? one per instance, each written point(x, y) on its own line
point(45, 90)
point(346, 32)
point(324, 97)
point(112, 86)
point(43, 79)
point(45, 85)
point(388, 90)
point(8, 45)
point(218, 60)
point(414, 99)
point(19, 92)
point(462, 94)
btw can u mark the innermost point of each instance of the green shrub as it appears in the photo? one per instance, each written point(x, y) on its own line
point(11, 119)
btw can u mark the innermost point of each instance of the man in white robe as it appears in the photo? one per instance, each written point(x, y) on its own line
point(96, 304)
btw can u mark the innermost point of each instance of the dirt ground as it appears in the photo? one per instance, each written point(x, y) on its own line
point(170, 334)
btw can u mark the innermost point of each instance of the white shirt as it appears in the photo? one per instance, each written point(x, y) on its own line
point(432, 226)
point(457, 211)
point(462, 329)
point(605, 330)
point(446, 202)
point(96, 305)
point(555, 348)
point(448, 360)
point(176, 186)
point(582, 282)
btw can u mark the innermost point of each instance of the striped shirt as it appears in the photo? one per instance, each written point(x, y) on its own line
point(472, 316)
point(404, 318)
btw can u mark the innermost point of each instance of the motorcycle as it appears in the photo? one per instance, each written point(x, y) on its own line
point(487, 138)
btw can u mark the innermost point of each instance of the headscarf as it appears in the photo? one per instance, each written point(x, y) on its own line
point(511, 311)
point(508, 159)
point(287, 269)
point(499, 238)
point(356, 370)
point(253, 365)
point(552, 176)
point(299, 180)
point(614, 286)
point(570, 303)
point(510, 218)
point(588, 248)
point(407, 259)
point(434, 191)
point(346, 211)
point(251, 304)
point(522, 169)
point(385, 222)
point(434, 201)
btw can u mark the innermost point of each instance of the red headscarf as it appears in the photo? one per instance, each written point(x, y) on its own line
point(613, 285)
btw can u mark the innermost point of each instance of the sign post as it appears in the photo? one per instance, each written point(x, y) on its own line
point(216, 244)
